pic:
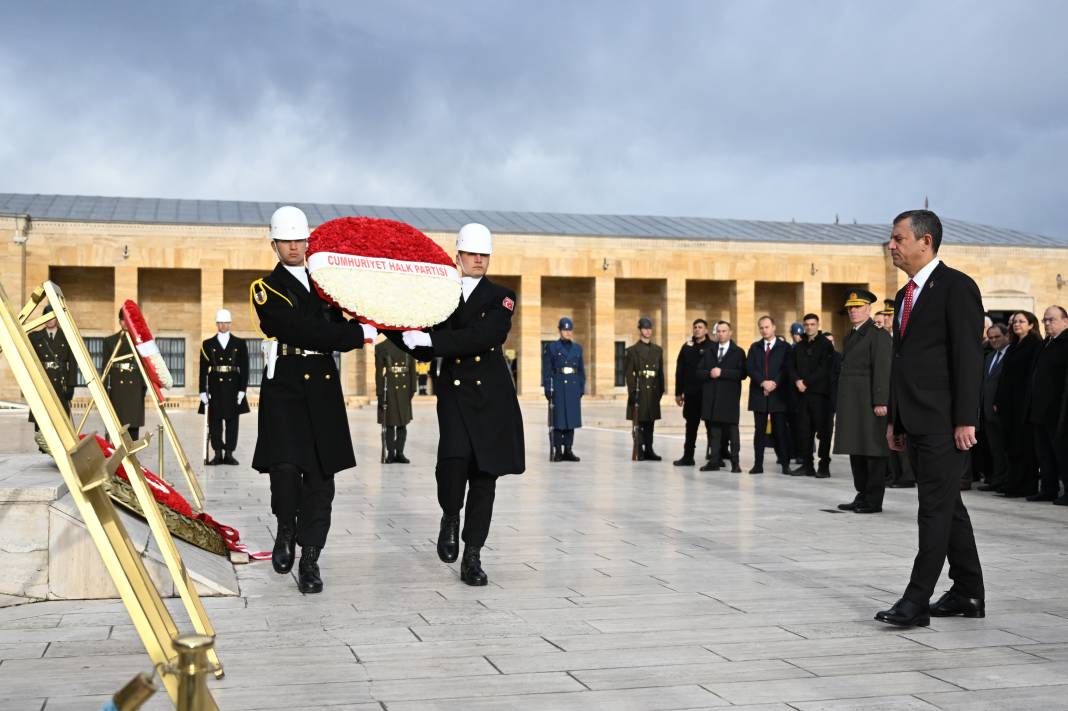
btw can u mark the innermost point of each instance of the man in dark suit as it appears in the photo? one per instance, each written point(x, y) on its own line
point(722, 370)
point(479, 422)
point(688, 389)
point(811, 366)
point(223, 381)
point(1046, 408)
point(990, 427)
point(933, 411)
point(766, 367)
point(303, 438)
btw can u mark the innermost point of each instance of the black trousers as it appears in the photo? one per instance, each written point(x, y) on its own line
point(945, 529)
point(1052, 459)
point(395, 439)
point(457, 476)
point(563, 438)
point(899, 469)
point(692, 425)
point(869, 479)
point(724, 433)
point(779, 430)
point(647, 433)
point(812, 421)
point(998, 469)
point(216, 425)
point(305, 499)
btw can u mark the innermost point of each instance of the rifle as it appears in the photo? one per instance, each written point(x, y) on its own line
point(207, 428)
point(552, 409)
point(636, 429)
point(383, 404)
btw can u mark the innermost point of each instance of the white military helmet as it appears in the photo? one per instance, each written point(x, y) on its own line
point(289, 224)
point(475, 238)
point(223, 316)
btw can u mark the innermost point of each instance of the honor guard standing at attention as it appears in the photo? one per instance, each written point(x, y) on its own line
point(643, 365)
point(863, 390)
point(303, 437)
point(54, 353)
point(564, 379)
point(479, 423)
point(689, 389)
point(395, 384)
point(124, 383)
point(223, 380)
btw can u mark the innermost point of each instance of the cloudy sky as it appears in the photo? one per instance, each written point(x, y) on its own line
point(750, 109)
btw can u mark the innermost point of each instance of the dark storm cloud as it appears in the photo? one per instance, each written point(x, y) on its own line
point(766, 110)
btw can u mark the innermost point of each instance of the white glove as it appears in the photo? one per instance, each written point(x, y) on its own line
point(414, 339)
point(240, 397)
point(370, 333)
point(204, 398)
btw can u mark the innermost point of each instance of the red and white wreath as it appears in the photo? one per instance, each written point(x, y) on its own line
point(383, 272)
point(151, 358)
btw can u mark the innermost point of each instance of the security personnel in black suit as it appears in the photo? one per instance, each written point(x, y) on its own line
point(223, 380)
point(395, 384)
point(932, 414)
point(689, 388)
point(766, 368)
point(54, 353)
point(479, 423)
point(721, 371)
point(125, 385)
point(643, 369)
point(303, 437)
point(1046, 407)
point(811, 366)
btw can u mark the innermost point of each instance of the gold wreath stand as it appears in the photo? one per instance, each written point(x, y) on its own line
point(85, 471)
point(172, 437)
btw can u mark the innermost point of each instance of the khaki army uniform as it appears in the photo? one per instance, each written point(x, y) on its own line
point(396, 381)
point(643, 368)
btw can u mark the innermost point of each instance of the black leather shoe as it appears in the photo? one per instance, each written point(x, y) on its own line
point(905, 613)
point(902, 485)
point(652, 456)
point(285, 547)
point(569, 456)
point(951, 603)
point(399, 458)
point(792, 472)
point(735, 467)
point(556, 456)
point(865, 509)
point(471, 567)
point(852, 505)
point(449, 539)
point(685, 462)
point(1042, 497)
point(824, 471)
point(1061, 500)
point(308, 580)
point(229, 459)
point(217, 459)
point(758, 469)
point(710, 467)
point(389, 459)
point(988, 487)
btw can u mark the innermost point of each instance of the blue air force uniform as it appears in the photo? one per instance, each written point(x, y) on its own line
point(563, 377)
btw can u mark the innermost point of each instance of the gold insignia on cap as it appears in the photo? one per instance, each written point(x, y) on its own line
point(853, 296)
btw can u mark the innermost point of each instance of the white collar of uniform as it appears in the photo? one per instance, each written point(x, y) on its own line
point(224, 338)
point(924, 274)
point(468, 285)
point(300, 273)
point(51, 331)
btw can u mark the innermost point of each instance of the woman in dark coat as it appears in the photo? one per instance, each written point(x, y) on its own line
point(1011, 400)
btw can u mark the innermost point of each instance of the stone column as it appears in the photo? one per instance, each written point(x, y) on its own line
point(125, 288)
point(603, 355)
point(812, 299)
point(745, 330)
point(211, 299)
point(529, 334)
point(676, 329)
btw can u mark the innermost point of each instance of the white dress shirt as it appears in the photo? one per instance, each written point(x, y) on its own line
point(921, 278)
point(468, 285)
point(301, 274)
point(224, 338)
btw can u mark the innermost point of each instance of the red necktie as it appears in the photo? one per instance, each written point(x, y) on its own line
point(906, 308)
point(767, 356)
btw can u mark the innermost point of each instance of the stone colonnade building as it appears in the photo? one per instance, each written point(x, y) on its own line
point(183, 259)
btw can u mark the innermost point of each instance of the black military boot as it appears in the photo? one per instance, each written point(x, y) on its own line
point(217, 459)
point(736, 468)
point(449, 538)
point(557, 457)
point(824, 471)
point(285, 545)
point(399, 458)
point(308, 579)
point(471, 567)
point(686, 460)
point(229, 459)
point(569, 456)
point(651, 455)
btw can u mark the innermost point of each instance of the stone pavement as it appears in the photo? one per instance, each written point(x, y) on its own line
point(613, 584)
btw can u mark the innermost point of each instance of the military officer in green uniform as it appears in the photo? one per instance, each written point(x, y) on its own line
point(223, 381)
point(643, 366)
point(124, 384)
point(396, 381)
point(863, 390)
point(54, 353)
